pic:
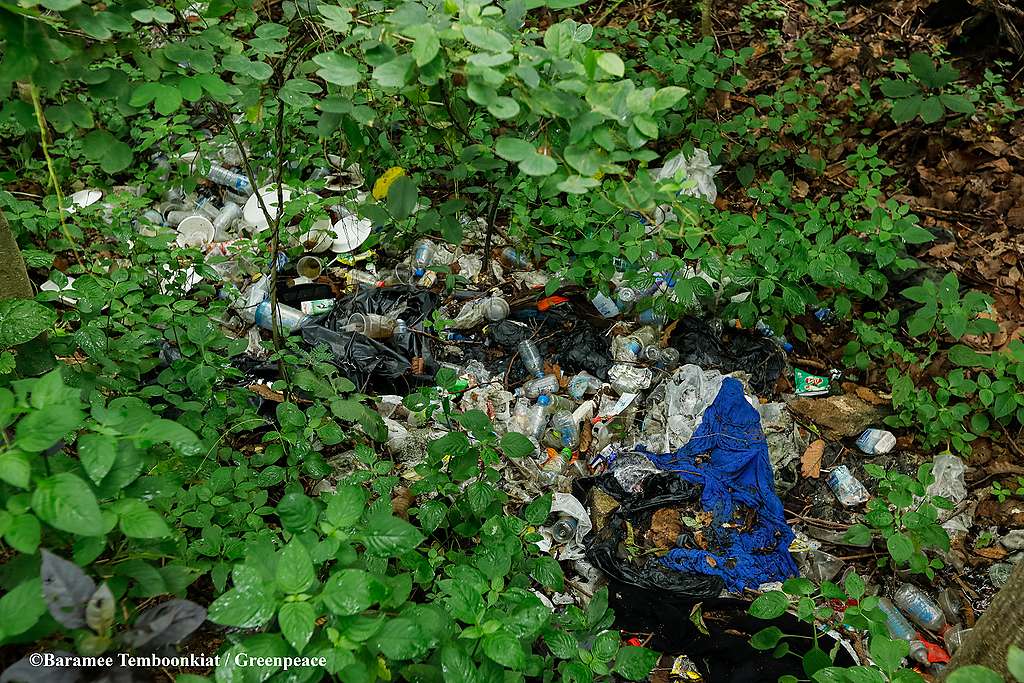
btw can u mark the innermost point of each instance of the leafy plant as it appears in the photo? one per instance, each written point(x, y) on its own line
point(942, 302)
point(925, 91)
point(1002, 492)
point(905, 518)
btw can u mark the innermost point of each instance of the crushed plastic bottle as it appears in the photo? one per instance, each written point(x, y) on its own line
point(568, 431)
point(583, 383)
point(358, 277)
point(876, 441)
point(535, 421)
point(669, 358)
point(545, 384)
point(651, 354)
point(605, 305)
point(629, 379)
point(228, 214)
point(532, 360)
point(423, 253)
point(645, 336)
point(848, 489)
point(289, 319)
point(921, 609)
point(510, 258)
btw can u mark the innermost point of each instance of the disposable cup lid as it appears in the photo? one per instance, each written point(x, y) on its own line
point(83, 198)
point(350, 232)
point(252, 212)
point(195, 231)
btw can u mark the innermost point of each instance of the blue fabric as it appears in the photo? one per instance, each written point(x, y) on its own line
point(738, 471)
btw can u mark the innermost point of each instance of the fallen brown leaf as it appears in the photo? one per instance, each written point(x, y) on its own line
point(810, 462)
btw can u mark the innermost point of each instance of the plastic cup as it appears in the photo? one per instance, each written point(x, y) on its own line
point(195, 231)
point(309, 266)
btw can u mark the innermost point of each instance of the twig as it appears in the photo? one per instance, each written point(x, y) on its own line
point(41, 120)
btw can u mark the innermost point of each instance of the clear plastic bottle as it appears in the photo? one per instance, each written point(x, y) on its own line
point(583, 383)
point(225, 217)
point(290, 319)
point(902, 629)
point(535, 421)
point(876, 441)
point(423, 255)
point(564, 529)
point(372, 325)
point(626, 298)
point(510, 258)
point(645, 336)
point(530, 355)
point(669, 358)
point(847, 487)
point(650, 353)
point(568, 431)
point(545, 384)
point(650, 317)
point(553, 403)
point(921, 609)
point(222, 176)
point(357, 277)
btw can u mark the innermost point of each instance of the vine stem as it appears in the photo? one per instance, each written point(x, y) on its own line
point(41, 121)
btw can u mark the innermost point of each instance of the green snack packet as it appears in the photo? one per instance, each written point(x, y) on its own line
point(810, 385)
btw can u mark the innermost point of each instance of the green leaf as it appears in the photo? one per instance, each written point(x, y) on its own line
point(505, 649)
point(516, 445)
point(457, 666)
point(854, 585)
point(21, 608)
point(503, 107)
point(611, 63)
point(97, 453)
point(548, 572)
point(666, 98)
point(41, 429)
point(295, 571)
point(401, 638)
point(22, 320)
point(766, 639)
point(338, 68)
point(1015, 662)
point(297, 512)
point(345, 508)
point(974, 673)
point(538, 509)
point(770, 605)
point(957, 103)
point(15, 469)
point(486, 38)
point(138, 521)
point(388, 536)
point(815, 660)
point(538, 165)
point(931, 109)
point(24, 534)
point(900, 547)
point(297, 621)
point(888, 653)
point(351, 591)
point(67, 503)
point(561, 644)
point(906, 109)
point(915, 234)
point(513, 149)
point(426, 45)
point(335, 18)
point(395, 73)
point(402, 197)
point(247, 605)
point(635, 663)
point(892, 88)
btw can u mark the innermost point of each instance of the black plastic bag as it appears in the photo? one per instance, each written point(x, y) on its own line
point(758, 356)
point(605, 545)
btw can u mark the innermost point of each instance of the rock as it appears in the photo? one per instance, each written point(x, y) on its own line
point(840, 416)
point(999, 573)
point(1014, 540)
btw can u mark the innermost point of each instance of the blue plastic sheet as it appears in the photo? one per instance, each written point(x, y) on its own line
point(738, 471)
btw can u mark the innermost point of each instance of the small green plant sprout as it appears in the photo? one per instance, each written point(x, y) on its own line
point(1002, 492)
point(925, 91)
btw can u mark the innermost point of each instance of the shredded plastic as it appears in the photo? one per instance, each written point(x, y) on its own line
point(738, 472)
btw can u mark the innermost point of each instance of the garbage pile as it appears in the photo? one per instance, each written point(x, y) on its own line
point(658, 438)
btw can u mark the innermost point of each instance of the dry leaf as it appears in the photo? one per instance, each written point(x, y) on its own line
point(810, 462)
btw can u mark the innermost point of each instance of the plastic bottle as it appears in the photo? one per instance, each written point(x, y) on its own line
point(626, 298)
point(423, 255)
point(222, 176)
point(583, 383)
point(921, 609)
point(649, 317)
point(650, 353)
point(564, 529)
point(554, 403)
point(567, 429)
point(876, 441)
point(290, 319)
point(227, 215)
point(530, 355)
point(900, 628)
point(950, 604)
point(847, 487)
point(954, 637)
point(545, 384)
point(669, 358)
point(356, 277)
point(372, 325)
point(535, 421)
point(605, 305)
point(401, 327)
point(494, 308)
point(645, 336)
point(510, 258)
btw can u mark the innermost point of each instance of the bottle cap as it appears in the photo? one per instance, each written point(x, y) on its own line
point(543, 400)
point(419, 272)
